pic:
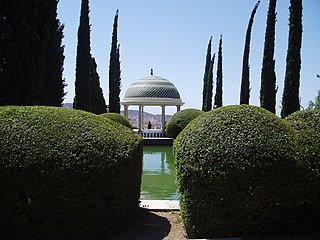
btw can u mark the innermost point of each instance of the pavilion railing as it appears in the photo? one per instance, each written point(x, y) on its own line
point(151, 133)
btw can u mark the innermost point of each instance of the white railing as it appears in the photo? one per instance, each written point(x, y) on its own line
point(151, 133)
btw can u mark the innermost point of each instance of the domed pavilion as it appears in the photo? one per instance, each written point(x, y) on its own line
point(151, 90)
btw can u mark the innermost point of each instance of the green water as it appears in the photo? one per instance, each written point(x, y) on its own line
point(159, 174)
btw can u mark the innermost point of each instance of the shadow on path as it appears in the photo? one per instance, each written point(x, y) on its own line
point(146, 226)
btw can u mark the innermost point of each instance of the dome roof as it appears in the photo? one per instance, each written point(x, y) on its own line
point(152, 87)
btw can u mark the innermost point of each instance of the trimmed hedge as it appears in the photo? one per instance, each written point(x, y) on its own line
point(307, 124)
point(237, 174)
point(62, 174)
point(117, 118)
point(180, 120)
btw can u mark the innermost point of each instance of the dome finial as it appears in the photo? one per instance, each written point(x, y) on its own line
point(151, 72)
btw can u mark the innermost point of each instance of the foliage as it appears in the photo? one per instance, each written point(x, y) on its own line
point(245, 82)
point(237, 174)
point(268, 76)
point(82, 84)
point(180, 120)
point(290, 96)
point(218, 96)
point(114, 70)
point(118, 118)
point(98, 104)
point(31, 53)
point(88, 93)
point(307, 124)
point(316, 103)
point(62, 174)
point(208, 80)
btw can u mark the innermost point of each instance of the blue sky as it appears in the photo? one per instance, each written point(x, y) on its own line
point(171, 37)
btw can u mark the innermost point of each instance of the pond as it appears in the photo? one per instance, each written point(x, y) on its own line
point(159, 174)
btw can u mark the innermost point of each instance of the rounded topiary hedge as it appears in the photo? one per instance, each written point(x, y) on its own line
point(180, 120)
point(62, 174)
point(118, 118)
point(307, 124)
point(237, 174)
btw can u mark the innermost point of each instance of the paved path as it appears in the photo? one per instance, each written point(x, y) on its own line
point(154, 225)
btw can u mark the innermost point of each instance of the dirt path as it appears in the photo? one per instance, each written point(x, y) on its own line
point(154, 225)
point(167, 225)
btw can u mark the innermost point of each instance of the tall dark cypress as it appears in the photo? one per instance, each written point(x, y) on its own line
point(98, 104)
point(11, 72)
point(207, 83)
point(114, 70)
point(82, 97)
point(268, 76)
point(210, 83)
point(218, 96)
point(55, 59)
point(31, 64)
point(245, 82)
point(290, 97)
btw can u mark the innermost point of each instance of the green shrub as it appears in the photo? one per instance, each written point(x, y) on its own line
point(180, 120)
point(118, 118)
point(237, 174)
point(307, 124)
point(66, 174)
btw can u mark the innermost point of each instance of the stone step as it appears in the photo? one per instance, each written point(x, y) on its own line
point(163, 205)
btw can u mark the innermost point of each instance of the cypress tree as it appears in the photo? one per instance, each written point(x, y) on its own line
point(31, 55)
point(114, 69)
point(207, 80)
point(218, 96)
point(55, 59)
point(89, 96)
point(83, 83)
point(210, 83)
point(290, 97)
point(97, 100)
point(9, 52)
point(268, 76)
point(245, 83)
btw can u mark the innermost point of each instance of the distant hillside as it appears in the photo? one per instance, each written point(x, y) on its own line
point(135, 113)
point(67, 105)
point(131, 113)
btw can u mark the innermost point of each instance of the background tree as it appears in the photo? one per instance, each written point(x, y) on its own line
point(208, 80)
point(89, 96)
point(82, 97)
point(114, 70)
point(31, 55)
point(268, 76)
point(245, 83)
point(218, 96)
point(97, 99)
point(290, 96)
point(316, 103)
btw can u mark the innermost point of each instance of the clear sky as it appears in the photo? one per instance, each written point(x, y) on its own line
point(171, 37)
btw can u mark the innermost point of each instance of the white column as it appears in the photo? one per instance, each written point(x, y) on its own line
point(142, 117)
point(139, 120)
point(126, 111)
point(163, 122)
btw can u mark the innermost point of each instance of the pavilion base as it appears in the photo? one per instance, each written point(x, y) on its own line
point(157, 141)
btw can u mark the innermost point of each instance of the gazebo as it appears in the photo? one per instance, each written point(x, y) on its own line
point(151, 91)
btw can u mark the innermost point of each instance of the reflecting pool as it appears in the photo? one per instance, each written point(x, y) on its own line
point(159, 174)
